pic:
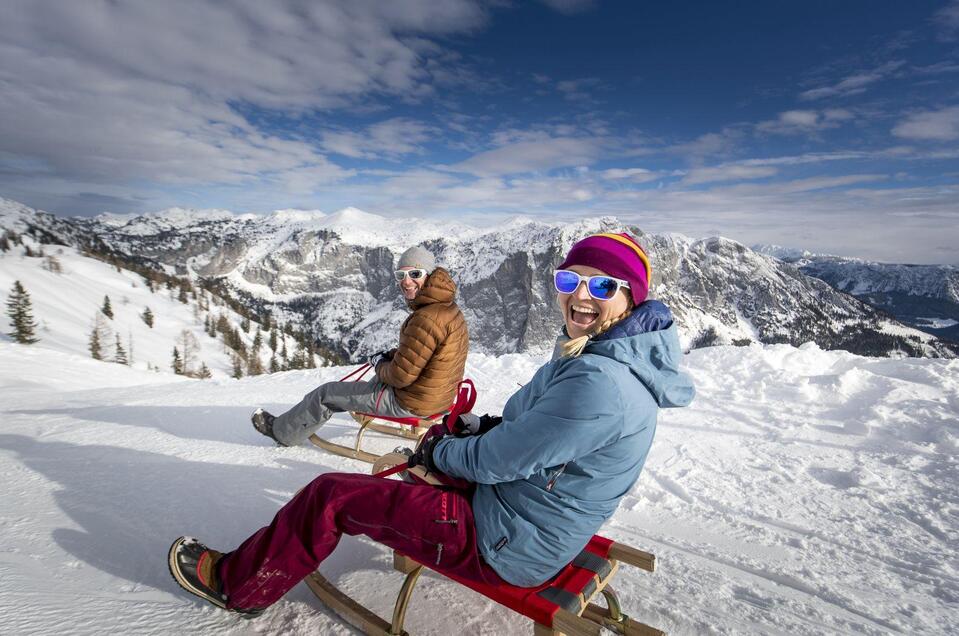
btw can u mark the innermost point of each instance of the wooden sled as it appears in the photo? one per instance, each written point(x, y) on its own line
point(405, 427)
point(563, 605)
point(410, 428)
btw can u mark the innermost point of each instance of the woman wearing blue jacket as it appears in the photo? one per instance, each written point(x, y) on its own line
point(570, 444)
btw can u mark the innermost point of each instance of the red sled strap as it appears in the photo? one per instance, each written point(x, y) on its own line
point(465, 400)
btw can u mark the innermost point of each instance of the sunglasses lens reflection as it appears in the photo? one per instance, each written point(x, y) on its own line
point(416, 274)
point(602, 287)
point(566, 282)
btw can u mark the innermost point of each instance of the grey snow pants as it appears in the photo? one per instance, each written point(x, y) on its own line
point(372, 396)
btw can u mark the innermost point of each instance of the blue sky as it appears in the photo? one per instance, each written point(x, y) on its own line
point(831, 126)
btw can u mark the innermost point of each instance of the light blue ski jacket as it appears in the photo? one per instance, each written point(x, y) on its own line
point(572, 443)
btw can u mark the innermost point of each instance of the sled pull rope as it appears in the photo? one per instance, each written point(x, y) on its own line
point(362, 369)
point(465, 400)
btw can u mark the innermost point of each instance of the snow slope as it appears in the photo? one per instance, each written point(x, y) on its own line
point(803, 492)
point(65, 304)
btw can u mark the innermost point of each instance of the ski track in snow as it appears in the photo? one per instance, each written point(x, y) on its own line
point(803, 492)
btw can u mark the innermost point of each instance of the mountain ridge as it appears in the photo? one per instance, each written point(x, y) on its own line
point(330, 280)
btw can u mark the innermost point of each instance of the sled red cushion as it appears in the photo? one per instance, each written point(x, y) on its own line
point(570, 589)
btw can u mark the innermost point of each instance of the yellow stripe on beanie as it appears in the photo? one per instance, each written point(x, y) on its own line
point(639, 252)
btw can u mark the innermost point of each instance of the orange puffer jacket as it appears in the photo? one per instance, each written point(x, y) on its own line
point(428, 366)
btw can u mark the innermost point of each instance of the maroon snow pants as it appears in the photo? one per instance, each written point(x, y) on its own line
point(432, 525)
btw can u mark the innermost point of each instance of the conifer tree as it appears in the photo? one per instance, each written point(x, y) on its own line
point(96, 351)
point(20, 312)
point(222, 324)
point(245, 325)
point(177, 364)
point(253, 365)
point(273, 340)
point(204, 372)
point(4, 243)
point(107, 309)
point(274, 365)
point(182, 297)
point(120, 354)
point(147, 316)
point(257, 341)
point(189, 349)
point(237, 367)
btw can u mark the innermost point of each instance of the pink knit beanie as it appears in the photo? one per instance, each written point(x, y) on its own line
point(619, 255)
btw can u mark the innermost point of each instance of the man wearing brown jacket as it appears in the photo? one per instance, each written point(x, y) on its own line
point(418, 378)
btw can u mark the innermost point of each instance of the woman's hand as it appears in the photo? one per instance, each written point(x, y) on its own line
point(471, 424)
point(423, 456)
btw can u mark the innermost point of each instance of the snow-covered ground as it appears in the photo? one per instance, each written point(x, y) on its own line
point(803, 492)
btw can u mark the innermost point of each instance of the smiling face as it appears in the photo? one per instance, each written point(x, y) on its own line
point(583, 313)
point(409, 287)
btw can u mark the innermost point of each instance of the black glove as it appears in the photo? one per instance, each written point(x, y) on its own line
point(380, 356)
point(423, 456)
point(470, 424)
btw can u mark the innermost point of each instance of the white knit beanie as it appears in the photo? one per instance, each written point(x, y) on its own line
point(418, 257)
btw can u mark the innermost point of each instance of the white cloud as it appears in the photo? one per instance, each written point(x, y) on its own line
point(153, 91)
point(635, 175)
point(570, 7)
point(729, 172)
point(939, 67)
point(579, 89)
point(392, 139)
point(947, 19)
point(535, 154)
point(801, 118)
point(709, 144)
point(853, 84)
point(930, 125)
point(793, 122)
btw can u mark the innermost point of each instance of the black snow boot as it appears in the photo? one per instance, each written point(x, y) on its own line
point(193, 566)
point(263, 422)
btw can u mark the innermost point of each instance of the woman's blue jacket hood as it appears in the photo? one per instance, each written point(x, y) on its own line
point(572, 443)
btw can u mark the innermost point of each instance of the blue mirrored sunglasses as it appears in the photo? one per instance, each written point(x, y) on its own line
point(599, 287)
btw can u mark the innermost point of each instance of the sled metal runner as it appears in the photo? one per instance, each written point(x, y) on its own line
point(563, 605)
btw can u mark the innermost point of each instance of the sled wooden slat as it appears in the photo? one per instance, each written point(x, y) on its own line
point(344, 451)
point(406, 432)
point(555, 609)
point(354, 613)
point(632, 556)
point(567, 624)
point(372, 423)
point(627, 626)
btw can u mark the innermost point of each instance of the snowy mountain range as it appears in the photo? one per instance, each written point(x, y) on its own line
point(803, 492)
point(923, 296)
point(331, 275)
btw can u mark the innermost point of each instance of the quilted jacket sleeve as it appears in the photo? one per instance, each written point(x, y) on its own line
point(420, 337)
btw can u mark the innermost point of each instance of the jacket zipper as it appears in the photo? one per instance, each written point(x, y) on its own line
point(552, 480)
point(439, 546)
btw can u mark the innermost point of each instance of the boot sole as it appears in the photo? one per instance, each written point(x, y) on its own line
point(181, 580)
